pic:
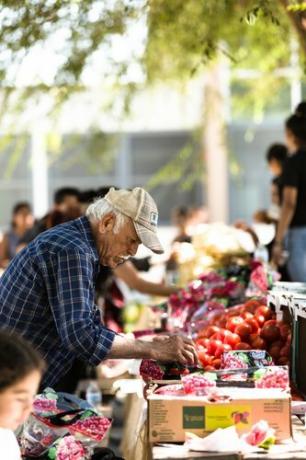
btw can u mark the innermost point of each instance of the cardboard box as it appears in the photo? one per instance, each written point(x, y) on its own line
point(169, 417)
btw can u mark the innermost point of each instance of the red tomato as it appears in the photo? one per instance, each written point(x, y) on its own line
point(252, 338)
point(242, 346)
point(285, 351)
point(213, 345)
point(247, 315)
point(201, 342)
point(204, 358)
point(235, 311)
point(265, 311)
point(271, 322)
point(270, 333)
point(253, 323)
point(209, 368)
point(285, 331)
point(219, 351)
point(217, 316)
point(222, 349)
point(233, 322)
point(220, 335)
point(216, 336)
point(216, 363)
point(222, 322)
point(260, 319)
point(243, 330)
point(204, 342)
point(283, 361)
point(251, 305)
point(274, 352)
point(277, 343)
point(211, 330)
point(232, 339)
point(258, 343)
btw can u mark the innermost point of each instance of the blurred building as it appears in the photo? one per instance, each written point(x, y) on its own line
point(161, 124)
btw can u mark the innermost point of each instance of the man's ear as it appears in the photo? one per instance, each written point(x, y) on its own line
point(107, 223)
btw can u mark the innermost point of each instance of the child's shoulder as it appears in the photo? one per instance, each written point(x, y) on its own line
point(9, 444)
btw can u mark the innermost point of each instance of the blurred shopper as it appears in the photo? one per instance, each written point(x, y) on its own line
point(86, 197)
point(292, 221)
point(276, 156)
point(47, 292)
point(181, 220)
point(198, 216)
point(22, 221)
point(20, 373)
point(66, 207)
point(301, 109)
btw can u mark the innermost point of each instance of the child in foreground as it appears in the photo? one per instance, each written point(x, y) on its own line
point(20, 373)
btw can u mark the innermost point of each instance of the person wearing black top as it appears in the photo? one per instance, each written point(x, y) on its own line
point(276, 157)
point(292, 222)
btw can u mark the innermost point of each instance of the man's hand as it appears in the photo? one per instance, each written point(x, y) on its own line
point(163, 348)
point(174, 348)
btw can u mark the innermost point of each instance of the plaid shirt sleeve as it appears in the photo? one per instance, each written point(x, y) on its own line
point(69, 280)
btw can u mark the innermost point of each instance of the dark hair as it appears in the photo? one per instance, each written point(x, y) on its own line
point(17, 359)
point(21, 205)
point(181, 211)
point(62, 193)
point(296, 123)
point(301, 109)
point(87, 196)
point(277, 152)
point(102, 191)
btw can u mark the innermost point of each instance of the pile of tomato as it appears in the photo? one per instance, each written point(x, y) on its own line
point(250, 326)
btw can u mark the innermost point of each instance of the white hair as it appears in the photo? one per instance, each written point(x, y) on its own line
point(100, 208)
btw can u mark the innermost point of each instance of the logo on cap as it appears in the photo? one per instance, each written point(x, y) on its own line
point(154, 218)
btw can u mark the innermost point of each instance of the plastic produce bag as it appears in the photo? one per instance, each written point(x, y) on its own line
point(62, 427)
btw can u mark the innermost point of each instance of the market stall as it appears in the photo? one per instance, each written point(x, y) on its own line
point(246, 327)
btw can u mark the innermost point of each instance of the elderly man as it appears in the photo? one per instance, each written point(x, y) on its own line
point(47, 292)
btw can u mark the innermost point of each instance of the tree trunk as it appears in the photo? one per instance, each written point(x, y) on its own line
point(215, 156)
point(297, 22)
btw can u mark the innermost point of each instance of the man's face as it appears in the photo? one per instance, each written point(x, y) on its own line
point(115, 248)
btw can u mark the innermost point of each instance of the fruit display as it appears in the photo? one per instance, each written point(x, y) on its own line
point(249, 326)
point(272, 377)
point(175, 389)
point(198, 384)
point(94, 427)
point(190, 308)
point(235, 359)
point(155, 370)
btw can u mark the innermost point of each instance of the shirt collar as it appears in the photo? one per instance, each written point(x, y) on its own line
point(84, 225)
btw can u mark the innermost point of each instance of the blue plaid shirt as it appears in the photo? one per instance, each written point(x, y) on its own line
point(47, 295)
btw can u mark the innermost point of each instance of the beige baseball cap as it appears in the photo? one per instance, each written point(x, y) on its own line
point(141, 208)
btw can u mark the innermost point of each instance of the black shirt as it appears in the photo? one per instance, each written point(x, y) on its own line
point(295, 176)
point(279, 183)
